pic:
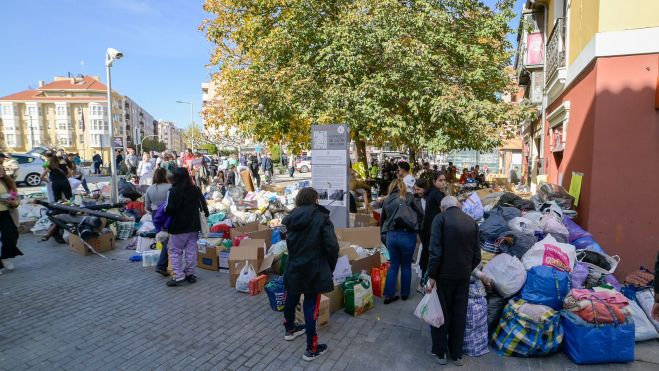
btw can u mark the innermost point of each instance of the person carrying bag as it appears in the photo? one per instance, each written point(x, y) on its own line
point(401, 220)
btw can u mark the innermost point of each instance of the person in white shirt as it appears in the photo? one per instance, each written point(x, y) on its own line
point(404, 174)
point(145, 169)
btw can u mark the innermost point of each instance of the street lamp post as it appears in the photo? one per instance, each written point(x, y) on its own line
point(112, 55)
point(192, 125)
point(142, 141)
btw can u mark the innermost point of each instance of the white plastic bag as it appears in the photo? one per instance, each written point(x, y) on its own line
point(644, 329)
point(75, 183)
point(246, 274)
point(645, 299)
point(144, 244)
point(203, 222)
point(523, 225)
point(473, 207)
point(552, 224)
point(508, 274)
point(551, 253)
point(342, 270)
point(278, 249)
point(430, 310)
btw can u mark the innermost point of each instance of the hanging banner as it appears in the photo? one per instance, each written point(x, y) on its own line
point(575, 187)
point(329, 159)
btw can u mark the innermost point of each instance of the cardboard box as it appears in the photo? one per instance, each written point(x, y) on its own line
point(207, 258)
point(367, 237)
point(335, 298)
point(364, 220)
point(323, 312)
point(252, 252)
point(254, 231)
point(358, 263)
point(223, 258)
point(104, 242)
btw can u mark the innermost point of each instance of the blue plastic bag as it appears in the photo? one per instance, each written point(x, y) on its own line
point(587, 243)
point(547, 286)
point(276, 236)
point(587, 343)
point(276, 294)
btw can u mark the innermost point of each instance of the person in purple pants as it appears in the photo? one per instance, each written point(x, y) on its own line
point(184, 203)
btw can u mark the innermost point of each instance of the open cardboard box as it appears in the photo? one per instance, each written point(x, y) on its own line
point(254, 231)
point(104, 242)
point(366, 237)
point(252, 252)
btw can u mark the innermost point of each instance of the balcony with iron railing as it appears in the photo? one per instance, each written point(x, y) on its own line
point(556, 58)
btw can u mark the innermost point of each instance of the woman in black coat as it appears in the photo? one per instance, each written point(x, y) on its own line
point(312, 254)
point(433, 198)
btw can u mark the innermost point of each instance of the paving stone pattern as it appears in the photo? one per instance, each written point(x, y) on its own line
point(63, 311)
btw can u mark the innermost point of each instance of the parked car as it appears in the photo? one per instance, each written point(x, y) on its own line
point(29, 170)
point(303, 164)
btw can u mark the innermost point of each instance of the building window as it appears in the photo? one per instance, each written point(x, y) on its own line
point(99, 140)
point(63, 126)
point(31, 111)
point(63, 140)
point(61, 111)
point(80, 110)
point(10, 140)
point(95, 110)
point(81, 138)
point(81, 125)
point(7, 110)
point(99, 125)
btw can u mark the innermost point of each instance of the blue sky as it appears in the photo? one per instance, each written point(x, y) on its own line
point(164, 53)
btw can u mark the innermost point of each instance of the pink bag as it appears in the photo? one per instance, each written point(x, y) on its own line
point(551, 253)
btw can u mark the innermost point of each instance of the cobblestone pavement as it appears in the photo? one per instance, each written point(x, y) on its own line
point(60, 310)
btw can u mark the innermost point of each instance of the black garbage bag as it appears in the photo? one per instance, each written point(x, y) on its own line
point(554, 192)
point(516, 244)
point(508, 199)
point(522, 204)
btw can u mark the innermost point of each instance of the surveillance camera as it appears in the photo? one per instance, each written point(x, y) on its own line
point(114, 53)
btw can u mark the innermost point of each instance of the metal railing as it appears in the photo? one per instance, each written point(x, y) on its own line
point(556, 49)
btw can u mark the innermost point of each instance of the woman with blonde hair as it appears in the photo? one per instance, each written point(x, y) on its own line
point(8, 218)
point(401, 220)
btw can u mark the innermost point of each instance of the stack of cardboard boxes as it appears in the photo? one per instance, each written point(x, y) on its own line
point(366, 237)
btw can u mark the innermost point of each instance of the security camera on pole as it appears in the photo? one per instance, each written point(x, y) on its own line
point(112, 55)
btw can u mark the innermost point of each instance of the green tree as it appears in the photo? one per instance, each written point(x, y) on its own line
point(153, 144)
point(410, 73)
point(210, 147)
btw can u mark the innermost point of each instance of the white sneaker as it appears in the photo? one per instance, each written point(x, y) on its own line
point(8, 264)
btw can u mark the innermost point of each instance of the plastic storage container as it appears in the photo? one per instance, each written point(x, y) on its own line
point(150, 258)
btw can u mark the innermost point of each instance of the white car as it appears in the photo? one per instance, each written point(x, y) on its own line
point(29, 170)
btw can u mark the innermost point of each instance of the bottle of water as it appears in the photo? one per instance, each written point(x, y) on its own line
point(374, 193)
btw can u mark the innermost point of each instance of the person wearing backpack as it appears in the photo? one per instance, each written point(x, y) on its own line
point(400, 222)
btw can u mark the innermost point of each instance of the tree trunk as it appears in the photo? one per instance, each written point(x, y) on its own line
point(412, 158)
point(361, 153)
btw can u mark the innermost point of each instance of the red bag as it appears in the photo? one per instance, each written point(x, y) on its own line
point(379, 278)
point(222, 228)
point(236, 240)
point(137, 206)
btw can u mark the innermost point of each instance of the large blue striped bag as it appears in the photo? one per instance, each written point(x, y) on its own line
point(517, 334)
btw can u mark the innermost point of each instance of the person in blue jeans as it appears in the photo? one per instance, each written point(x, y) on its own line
point(312, 254)
point(400, 221)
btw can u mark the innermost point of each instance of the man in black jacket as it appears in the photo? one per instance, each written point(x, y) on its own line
point(454, 253)
point(312, 254)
